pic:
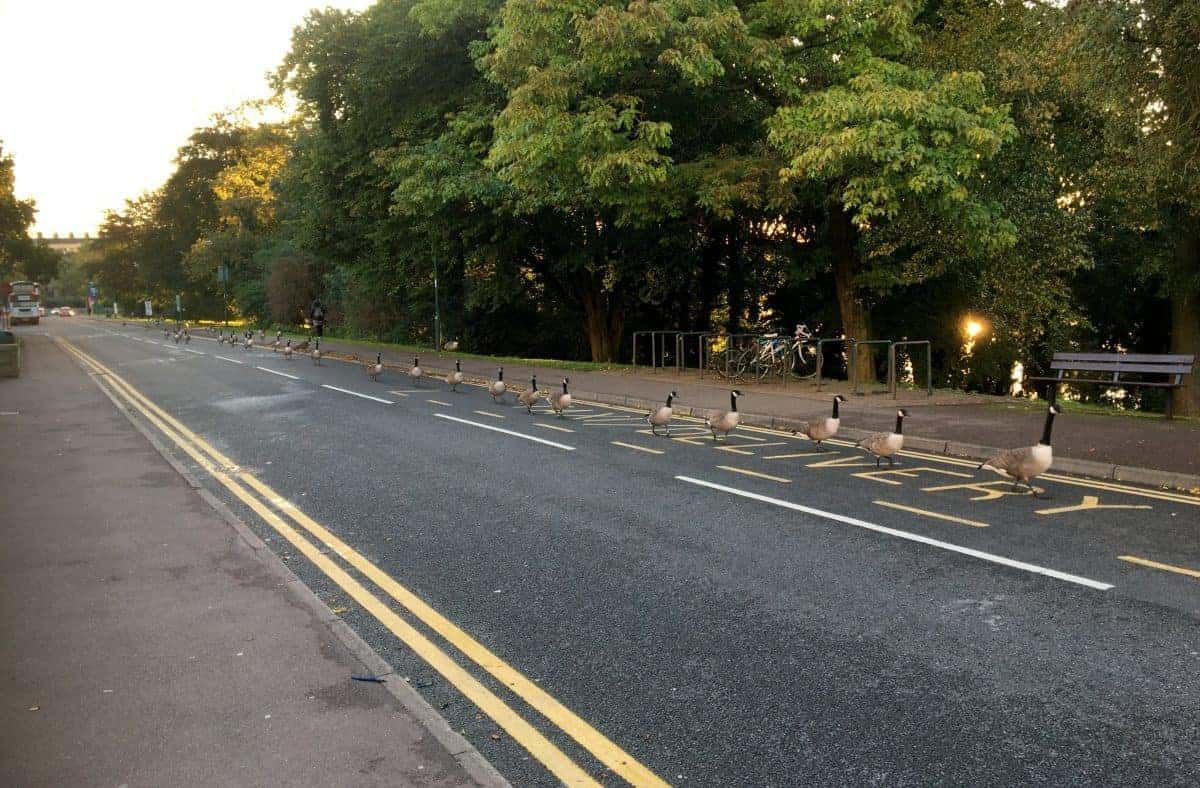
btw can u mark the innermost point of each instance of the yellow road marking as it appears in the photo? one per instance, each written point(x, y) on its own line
point(546, 752)
point(748, 472)
point(551, 427)
point(852, 461)
point(439, 402)
point(1088, 503)
point(637, 448)
point(1133, 559)
point(732, 450)
point(485, 413)
point(988, 490)
point(936, 515)
point(793, 456)
point(912, 473)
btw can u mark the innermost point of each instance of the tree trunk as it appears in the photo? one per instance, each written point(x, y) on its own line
point(856, 317)
point(1185, 316)
point(737, 284)
point(604, 321)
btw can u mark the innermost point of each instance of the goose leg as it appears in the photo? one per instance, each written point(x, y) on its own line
point(891, 463)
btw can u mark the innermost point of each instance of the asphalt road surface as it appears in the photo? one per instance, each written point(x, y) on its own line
point(586, 601)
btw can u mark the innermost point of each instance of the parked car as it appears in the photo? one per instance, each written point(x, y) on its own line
point(54, 311)
point(66, 311)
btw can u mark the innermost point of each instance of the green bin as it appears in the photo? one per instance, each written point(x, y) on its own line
point(10, 355)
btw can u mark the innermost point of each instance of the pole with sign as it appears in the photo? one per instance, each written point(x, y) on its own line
point(149, 308)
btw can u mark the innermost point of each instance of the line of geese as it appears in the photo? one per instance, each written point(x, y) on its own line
point(1022, 464)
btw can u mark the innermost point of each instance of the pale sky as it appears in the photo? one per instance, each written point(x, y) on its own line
point(95, 97)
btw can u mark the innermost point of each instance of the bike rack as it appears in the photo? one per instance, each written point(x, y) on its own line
point(655, 355)
point(821, 343)
point(893, 381)
point(681, 348)
point(854, 360)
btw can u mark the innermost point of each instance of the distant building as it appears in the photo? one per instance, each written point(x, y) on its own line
point(65, 245)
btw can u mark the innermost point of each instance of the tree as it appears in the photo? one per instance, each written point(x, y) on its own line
point(16, 216)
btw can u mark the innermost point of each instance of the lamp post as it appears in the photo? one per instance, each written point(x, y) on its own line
point(437, 309)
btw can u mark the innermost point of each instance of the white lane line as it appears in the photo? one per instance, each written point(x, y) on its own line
point(151, 341)
point(197, 352)
point(357, 394)
point(230, 360)
point(533, 438)
point(841, 518)
point(439, 402)
point(485, 413)
point(280, 374)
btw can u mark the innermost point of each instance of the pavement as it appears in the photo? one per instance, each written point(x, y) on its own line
point(144, 641)
point(1117, 447)
point(591, 604)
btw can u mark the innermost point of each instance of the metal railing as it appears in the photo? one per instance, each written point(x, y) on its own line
point(821, 343)
point(854, 381)
point(893, 378)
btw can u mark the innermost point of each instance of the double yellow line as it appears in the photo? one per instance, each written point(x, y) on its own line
point(260, 499)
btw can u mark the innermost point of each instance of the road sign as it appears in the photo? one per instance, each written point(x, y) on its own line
point(178, 304)
point(116, 309)
point(92, 291)
point(149, 309)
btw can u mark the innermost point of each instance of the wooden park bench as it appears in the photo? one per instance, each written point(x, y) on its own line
point(1115, 366)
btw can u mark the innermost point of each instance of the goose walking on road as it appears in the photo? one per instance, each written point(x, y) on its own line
point(497, 387)
point(1027, 463)
point(530, 396)
point(316, 353)
point(455, 377)
point(886, 444)
point(661, 416)
point(287, 350)
point(373, 370)
point(560, 400)
point(819, 430)
point(724, 423)
point(416, 373)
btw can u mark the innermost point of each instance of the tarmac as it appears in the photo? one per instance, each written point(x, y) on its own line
point(147, 637)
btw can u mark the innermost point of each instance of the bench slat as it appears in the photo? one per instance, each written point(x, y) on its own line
point(1149, 358)
point(1173, 370)
point(1111, 383)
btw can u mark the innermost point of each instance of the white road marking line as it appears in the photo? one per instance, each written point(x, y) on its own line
point(439, 402)
point(230, 360)
point(197, 352)
point(841, 518)
point(151, 341)
point(551, 427)
point(533, 438)
point(485, 413)
point(357, 394)
point(399, 393)
point(635, 447)
point(280, 374)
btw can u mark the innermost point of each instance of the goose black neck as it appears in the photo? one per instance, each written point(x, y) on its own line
point(458, 366)
point(1045, 441)
point(564, 387)
point(899, 424)
point(533, 384)
point(669, 398)
point(733, 402)
point(500, 375)
point(835, 407)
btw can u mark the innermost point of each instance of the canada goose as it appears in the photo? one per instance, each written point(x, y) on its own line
point(220, 338)
point(886, 444)
point(497, 388)
point(249, 340)
point(724, 423)
point(262, 335)
point(373, 370)
point(302, 346)
point(560, 400)
point(823, 429)
point(187, 338)
point(287, 350)
point(178, 336)
point(661, 416)
point(529, 397)
point(278, 341)
point(316, 353)
point(1026, 464)
point(455, 377)
point(416, 373)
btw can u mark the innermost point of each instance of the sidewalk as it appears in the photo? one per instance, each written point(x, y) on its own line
point(1120, 447)
point(144, 642)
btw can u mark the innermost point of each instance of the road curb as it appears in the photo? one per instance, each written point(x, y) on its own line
point(472, 761)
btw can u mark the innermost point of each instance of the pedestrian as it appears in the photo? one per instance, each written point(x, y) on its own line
point(317, 314)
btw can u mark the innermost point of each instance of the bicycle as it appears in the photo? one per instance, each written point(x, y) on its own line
point(767, 357)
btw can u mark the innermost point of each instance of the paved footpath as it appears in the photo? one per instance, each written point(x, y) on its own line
point(966, 425)
point(144, 642)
